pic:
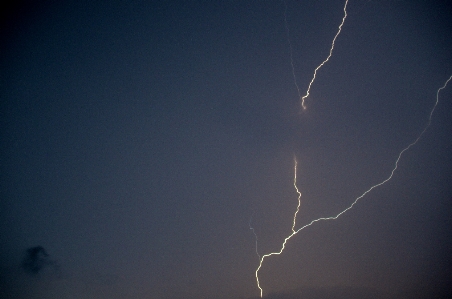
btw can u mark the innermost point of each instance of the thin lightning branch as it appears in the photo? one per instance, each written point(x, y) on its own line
point(326, 60)
point(255, 235)
point(294, 232)
point(290, 50)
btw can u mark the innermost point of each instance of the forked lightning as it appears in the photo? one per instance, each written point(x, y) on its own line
point(303, 105)
point(294, 232)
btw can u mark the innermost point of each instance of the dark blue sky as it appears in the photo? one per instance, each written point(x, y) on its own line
point(138, 138)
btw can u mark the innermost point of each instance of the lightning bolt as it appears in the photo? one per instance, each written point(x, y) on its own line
point(298, 191)
point(294, 232)
point(293, 224)
point(303, 98)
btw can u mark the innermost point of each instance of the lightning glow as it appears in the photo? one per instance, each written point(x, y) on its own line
point(303, 98)
point(294, 232)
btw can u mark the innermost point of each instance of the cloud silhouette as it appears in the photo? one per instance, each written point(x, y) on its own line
point(36, 259)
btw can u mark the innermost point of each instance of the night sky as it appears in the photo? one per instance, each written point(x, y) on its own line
point(139, 138)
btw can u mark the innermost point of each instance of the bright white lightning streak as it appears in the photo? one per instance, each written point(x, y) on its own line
point(293, 223)
point(294, 232)
point(326, 60)
point(298, 191)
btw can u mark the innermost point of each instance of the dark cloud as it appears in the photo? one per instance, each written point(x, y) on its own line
point(36, 259)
